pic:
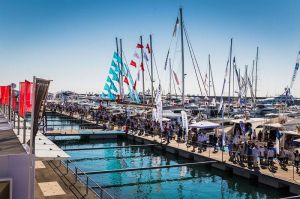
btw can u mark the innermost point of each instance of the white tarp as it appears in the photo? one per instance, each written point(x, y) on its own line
point(170, 114)
point(204, 125)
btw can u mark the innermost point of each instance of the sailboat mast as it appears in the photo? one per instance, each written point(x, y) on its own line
point(209, 73)
point(230, 56)
point(143, 76)
point(252, 72)
point(170, 78)
point(182, 54)
point(246, 82)
point(256, 60)
point(120, 74)
point(151, 63)
point(122, 70)
point(211, 77)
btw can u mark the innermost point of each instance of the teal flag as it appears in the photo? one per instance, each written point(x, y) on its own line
point(106, 87)
point(117, 70)
point(111, 96)
point(117, 57)
point(103, 96)
point(113, 64)
point(113, 87)
point(115, 78)
point(109, 80)
point(111, 71)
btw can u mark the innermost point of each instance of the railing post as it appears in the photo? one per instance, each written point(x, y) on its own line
point(87, 185)
point(76, 173)
point(67, 166)
point(293, 172)
point(222, 154)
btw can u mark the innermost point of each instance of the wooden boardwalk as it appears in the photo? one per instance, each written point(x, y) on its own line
point(51, 184)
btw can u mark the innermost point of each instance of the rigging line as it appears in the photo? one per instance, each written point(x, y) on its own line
point(175, 51)
point(151, 78)
point(194, 65)
point(174, 84)
point(125, 61)
point(172, 76)
point(176, 46)
point(188, 38)
point(148, 70)
point(212, 79)
point(155, 65)
point(176, 26)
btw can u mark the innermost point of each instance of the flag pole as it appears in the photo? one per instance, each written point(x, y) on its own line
point(19, 110)
point(9, 102)
point(24, 117)
point(151, 63)
point(182, 54)
point(143, 75)
point(32, 114)
point(31, 149)
point(230, 56)
point(120, 74)
point(122, 68)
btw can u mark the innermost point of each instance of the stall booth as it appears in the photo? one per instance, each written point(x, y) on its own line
point(288, 138)
point(208, 128)
point(246, 126)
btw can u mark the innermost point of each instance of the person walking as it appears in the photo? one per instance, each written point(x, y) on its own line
point(261, 155)
point(255, 154)
point(296, 160)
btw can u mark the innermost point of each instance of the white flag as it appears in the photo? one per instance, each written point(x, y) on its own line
point(154, 114)
point(185, 123)
point(159, 107)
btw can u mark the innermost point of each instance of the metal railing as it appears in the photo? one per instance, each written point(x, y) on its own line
point(90, 184)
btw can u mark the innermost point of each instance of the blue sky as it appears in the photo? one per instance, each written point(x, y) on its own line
point(72, 41)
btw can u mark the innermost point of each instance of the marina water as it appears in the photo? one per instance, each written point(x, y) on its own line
point(201, 181)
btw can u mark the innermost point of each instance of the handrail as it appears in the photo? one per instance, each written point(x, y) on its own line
point(88, 182)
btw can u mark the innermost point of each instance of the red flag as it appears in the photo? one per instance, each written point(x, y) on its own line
point(4, 95)
point(176, 78)
point(133, 63)
point(139, 46)
point(148, 48)
point(14, 100)
point(2, 88)
point(134, 86)
point(126, 80)
point(142, 66)
point(25, 107)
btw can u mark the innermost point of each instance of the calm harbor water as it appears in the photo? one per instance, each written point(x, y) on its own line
point(170, 183)
point(178, 182)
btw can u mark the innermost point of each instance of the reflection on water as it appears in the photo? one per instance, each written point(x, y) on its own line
point(170, 183)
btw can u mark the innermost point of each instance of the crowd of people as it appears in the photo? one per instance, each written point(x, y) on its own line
point(244, 148)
